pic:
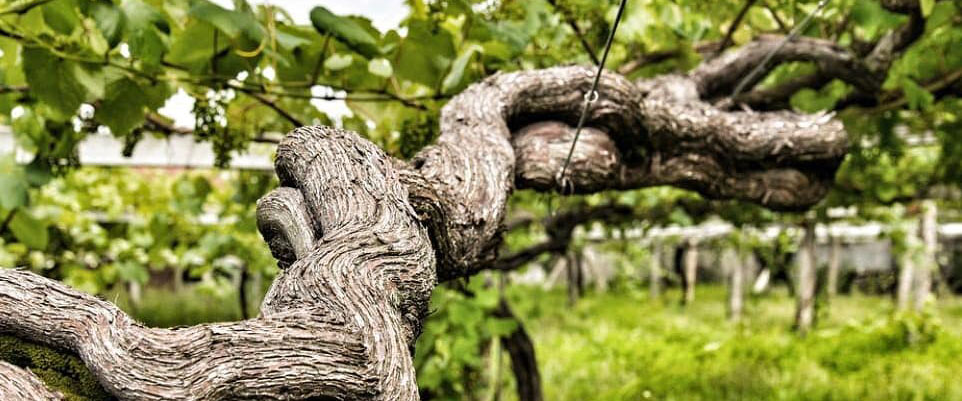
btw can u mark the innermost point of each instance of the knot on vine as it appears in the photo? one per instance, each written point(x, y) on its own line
point(343, 230)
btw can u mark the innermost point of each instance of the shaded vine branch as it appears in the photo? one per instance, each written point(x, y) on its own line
point(727, 40)
point(274, 106)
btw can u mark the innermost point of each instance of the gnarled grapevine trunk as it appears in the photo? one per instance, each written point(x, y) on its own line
point(362, 239)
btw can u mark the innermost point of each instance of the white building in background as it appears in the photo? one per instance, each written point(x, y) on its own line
point(177, 151)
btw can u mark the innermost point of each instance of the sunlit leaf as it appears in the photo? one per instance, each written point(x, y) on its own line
point(380, 67)
point(338, 62)
point(29, 230)
point(345, 30)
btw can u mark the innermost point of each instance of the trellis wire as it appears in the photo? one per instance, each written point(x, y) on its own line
point(591, 96)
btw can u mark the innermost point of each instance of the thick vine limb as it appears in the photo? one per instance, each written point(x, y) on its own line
point(658, 132)
point(336, 324)
point(865, 69)
point(719, 76)
point(363, 238)
point(17, 384)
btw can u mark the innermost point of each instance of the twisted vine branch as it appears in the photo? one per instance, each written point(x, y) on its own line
point(363, 238)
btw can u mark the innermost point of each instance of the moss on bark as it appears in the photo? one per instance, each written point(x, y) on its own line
point(59, 370)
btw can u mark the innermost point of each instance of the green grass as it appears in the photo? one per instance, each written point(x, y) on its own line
point(164, 308)
point(623, 346)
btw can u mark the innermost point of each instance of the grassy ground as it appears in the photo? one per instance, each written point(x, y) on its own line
point(623, 346)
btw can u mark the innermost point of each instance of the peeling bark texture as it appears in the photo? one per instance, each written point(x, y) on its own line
point(17, 384)
point(719, 77)
point(286, 225)
point(781, 160)
point(863, 68)
point(337, 324)
point(363, 238)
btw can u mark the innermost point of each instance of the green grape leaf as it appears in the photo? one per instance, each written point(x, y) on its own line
point(29, 230)
point(456, 75)
point(425, 55)
point(123, 108)
point(54, 81)
point(810, 100)
point(497, 49)
point(942, 13)
point(501, 327)
point(345, 30)
point(232, 23)
point(917, 96)
point(291, 38)
point(109, 20)
point(338, 62)
point(13, 185)
point(217, 16)
point(143, 26)
point(193, 48)
point(60, 16)
point(140, 15)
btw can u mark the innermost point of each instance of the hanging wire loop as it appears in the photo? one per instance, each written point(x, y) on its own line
point(590, 97)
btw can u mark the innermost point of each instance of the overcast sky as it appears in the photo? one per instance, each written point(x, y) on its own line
point(384, 14)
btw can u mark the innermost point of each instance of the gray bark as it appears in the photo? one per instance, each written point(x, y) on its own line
point(930, 242)
point(363, 238)
point(903, 296)
point(736, 285)
point(807, 276)
point(690, 261)
point(338, 323)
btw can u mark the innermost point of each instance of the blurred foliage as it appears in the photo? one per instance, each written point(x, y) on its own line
point(622, 345)
point(70, 68)
point(96, 229)
point(449, 354)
